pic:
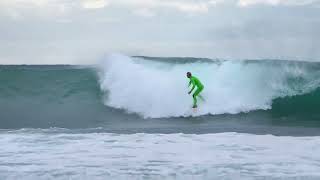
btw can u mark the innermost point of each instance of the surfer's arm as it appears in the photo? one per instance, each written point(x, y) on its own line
point(193, 86)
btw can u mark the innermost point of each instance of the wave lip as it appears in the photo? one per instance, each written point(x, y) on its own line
point(155, 88)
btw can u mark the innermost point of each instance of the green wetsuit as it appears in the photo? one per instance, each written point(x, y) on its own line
point(195, 82)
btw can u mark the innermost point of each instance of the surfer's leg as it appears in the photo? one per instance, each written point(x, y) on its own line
point(198, 91)
point(200, 96)
point(195, 96)
point(194, 101)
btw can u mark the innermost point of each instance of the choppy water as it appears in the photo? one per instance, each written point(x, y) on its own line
point(45, 155)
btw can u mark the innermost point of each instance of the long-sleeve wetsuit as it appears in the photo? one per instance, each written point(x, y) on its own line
point(195, 82)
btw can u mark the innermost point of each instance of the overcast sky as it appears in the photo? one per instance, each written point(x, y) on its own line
point(81, 31)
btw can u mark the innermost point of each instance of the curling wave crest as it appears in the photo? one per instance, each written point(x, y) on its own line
point(154, 88)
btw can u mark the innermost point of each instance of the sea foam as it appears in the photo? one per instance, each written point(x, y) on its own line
point(39, 155)
point(159, 89)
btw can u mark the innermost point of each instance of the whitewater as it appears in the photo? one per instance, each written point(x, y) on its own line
point(155, 89)
point(48, 154)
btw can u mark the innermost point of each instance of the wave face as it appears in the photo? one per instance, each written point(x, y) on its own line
point(157, 87)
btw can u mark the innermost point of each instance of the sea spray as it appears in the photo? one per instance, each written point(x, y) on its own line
point(157, 89)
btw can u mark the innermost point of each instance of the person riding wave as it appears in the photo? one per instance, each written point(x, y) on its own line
point(195, 82)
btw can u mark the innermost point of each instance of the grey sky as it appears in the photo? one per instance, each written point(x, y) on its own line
point(81, 31)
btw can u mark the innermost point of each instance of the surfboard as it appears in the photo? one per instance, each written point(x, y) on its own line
point(190, 112)
point(195, 110)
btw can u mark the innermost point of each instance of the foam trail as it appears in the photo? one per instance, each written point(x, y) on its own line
point(37, 155)
point(157, 89)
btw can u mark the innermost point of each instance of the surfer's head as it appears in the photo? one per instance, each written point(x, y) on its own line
point(189, 74)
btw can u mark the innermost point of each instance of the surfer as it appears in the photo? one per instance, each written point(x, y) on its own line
point(195, 82)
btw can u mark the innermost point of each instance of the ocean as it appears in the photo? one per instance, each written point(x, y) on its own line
point(131, 118)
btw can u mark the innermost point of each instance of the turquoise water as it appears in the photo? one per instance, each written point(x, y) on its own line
point(75, 97)
point(129, 118)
